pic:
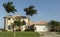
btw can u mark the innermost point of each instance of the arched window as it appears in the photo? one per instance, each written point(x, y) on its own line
point(23, 22)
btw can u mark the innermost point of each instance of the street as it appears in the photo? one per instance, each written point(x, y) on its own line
point(48, 34)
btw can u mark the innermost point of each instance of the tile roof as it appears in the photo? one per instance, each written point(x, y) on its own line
point(39, 23)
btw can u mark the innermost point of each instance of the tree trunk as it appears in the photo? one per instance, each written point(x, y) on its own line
point(19, 28)
point(13, 28)
point(7, 19)
point(28, 16)
point(28, 20)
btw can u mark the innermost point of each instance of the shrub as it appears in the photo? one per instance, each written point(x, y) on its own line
point(30, 28)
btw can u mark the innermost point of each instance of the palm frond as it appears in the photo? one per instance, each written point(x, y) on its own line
point(9, 7)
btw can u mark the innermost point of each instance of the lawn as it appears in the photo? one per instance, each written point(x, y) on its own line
point(19, 34)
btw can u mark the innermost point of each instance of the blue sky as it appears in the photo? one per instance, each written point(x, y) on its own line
point(46, 9)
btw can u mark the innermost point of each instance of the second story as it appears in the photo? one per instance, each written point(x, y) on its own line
point(11, 19)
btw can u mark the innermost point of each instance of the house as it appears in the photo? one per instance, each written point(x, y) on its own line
point(10, 19)
point(40, 26)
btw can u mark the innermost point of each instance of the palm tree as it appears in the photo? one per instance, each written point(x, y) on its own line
point(30, 11)
point(14, 24)
point(17, 23)
point(9, 9)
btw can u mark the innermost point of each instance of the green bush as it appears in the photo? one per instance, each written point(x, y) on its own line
point(30, 28)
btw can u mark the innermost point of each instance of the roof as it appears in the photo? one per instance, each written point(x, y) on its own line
point(39, 23)
point(15, 16)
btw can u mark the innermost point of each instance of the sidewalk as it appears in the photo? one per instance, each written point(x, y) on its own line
point(49, 34)
point(54, 33)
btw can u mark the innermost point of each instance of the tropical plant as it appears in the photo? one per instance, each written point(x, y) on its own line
point(17, 23)
point(54, 25)
point(30, 28)
point(9, 9)
point(30, 11)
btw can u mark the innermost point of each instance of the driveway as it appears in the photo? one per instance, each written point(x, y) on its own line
point(48, 34)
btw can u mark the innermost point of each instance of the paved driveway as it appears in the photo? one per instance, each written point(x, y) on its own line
point(48, 34)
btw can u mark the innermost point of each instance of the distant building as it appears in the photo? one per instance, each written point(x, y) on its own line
point(8, 21)
point(40, 26)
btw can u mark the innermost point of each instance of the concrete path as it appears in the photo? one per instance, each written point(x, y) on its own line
point(48, 34)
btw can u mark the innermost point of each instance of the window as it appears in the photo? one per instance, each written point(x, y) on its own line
point(9, 27)
point(9, 18)
point(23, 22)
point(13, 18)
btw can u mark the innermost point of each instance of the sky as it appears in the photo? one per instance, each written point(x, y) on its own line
point(47, 9)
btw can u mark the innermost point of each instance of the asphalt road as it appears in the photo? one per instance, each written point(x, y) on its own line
point(48, 34)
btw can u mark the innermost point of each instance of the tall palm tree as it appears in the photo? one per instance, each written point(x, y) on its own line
point(30, 11)
point(9, 9)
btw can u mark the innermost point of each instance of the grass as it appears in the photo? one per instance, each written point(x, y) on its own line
point(19, 34)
